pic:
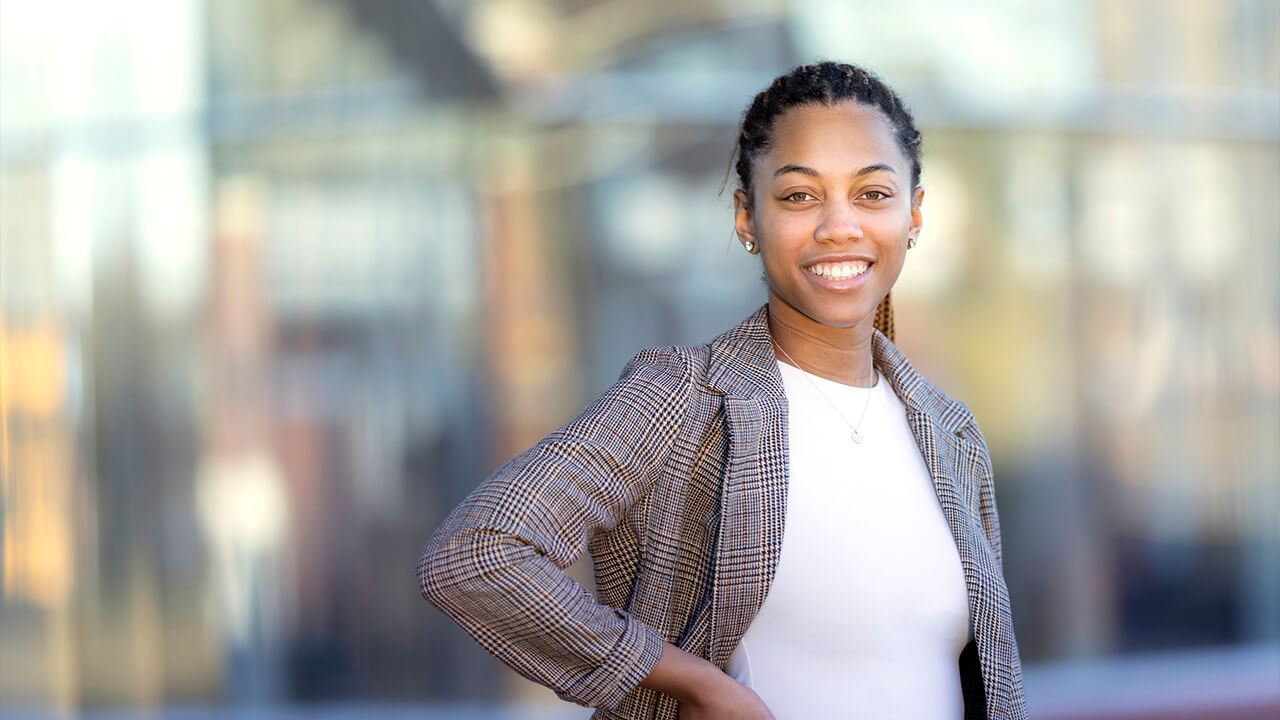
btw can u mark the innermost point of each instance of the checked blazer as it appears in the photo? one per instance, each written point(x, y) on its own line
point(675, 481)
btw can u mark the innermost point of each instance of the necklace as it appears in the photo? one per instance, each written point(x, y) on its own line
point(853, 429)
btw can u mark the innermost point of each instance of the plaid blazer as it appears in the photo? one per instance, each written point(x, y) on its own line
point(675, 480)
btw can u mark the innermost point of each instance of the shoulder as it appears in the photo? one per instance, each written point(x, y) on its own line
point(918, 392)
point(670, 367)
point(957, 411)
point(958, 415)
point(964, 425)
point(663, 387)
point(655, 387)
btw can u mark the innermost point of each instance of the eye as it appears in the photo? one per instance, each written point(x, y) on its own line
point(799, 196)
point(875, 195)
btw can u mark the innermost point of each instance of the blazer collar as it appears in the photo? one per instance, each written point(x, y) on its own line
point(743, 363)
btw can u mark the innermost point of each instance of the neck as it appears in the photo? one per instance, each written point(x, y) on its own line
point(841, 354)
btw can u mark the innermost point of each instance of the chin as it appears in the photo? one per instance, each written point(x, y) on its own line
point(830, 311)
point(838, 316)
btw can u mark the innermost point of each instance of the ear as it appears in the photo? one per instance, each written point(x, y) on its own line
point(744, 221)
point(917, 219)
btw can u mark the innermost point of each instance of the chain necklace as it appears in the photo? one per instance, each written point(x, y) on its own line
point(853, 429)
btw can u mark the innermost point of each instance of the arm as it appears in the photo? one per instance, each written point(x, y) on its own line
point(705, 692)
point(684, 676)
point(496, 564)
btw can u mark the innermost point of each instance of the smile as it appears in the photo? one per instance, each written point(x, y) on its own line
point(839, 270)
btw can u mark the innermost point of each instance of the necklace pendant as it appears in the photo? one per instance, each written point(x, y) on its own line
point(857, 436)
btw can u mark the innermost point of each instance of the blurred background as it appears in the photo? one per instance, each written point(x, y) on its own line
point(283, 280)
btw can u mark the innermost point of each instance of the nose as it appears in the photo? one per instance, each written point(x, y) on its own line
point(839, 224)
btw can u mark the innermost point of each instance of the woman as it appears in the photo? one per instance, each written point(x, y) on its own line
point(804, 423)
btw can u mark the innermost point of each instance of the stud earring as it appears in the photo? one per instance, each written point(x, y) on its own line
point(911, 242)
point(750, 246)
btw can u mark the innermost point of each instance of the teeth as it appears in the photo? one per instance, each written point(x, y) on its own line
point(839, 271)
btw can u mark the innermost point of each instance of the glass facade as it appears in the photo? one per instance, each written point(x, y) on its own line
point(283, 280)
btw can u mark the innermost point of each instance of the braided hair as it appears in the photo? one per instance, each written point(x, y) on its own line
point(826, 83)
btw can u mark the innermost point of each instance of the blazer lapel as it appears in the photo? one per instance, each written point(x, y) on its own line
point(954, 495)
point(752, 510)
point(955, 485)
point(753, 493)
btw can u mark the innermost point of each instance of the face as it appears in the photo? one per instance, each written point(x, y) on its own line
point(832, 208)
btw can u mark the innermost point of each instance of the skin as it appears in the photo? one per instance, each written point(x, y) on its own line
point(834, 182)
point(705, 692)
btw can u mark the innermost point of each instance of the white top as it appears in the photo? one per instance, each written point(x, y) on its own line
point(867, 613)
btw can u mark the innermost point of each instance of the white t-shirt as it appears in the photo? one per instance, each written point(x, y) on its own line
point(867, 613)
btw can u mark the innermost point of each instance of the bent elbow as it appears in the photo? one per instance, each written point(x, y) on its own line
point(437, 561)
point(458, 564)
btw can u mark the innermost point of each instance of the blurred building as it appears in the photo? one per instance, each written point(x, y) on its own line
point(282, 281)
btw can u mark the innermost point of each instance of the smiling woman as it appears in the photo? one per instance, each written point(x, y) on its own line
point(786, 522)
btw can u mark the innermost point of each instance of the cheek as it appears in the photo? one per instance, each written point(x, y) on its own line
point(890, 230)
point(896, 220)
point(787, 228)
point(893, 257)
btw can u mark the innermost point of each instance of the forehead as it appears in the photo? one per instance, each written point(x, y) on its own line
point(832, 137)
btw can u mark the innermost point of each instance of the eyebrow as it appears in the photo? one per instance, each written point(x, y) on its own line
point(789, 168)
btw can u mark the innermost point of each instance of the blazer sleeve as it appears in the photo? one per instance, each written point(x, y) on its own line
point(496, 563)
